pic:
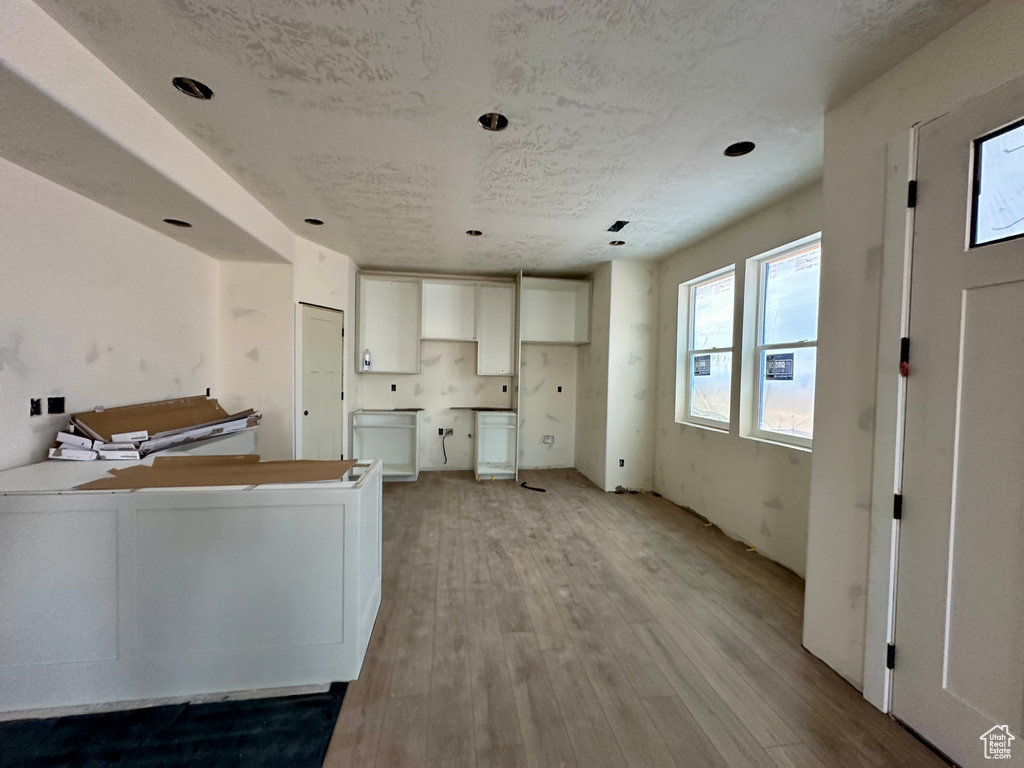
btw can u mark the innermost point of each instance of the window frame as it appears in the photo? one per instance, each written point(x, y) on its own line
point(760, 348)
point(690, 352)
point(976, 180)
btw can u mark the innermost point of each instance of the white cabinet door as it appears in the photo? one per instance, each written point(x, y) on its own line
point(389, 324)
point(449, 310)
point(495, 318)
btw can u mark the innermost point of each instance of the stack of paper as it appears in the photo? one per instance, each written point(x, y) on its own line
point(135, 431)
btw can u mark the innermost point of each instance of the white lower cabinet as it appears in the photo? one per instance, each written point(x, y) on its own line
point(495, 457)
point(392, 437)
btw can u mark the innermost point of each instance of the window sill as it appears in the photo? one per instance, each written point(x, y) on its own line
point(779, 443)
point(708, 427)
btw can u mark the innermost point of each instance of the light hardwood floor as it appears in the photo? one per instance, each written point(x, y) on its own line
point(578, 628)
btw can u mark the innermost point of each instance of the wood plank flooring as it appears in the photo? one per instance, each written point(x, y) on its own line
point(578, 628)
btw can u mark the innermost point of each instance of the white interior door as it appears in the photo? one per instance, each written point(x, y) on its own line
point(959, 667)
point(322, 371)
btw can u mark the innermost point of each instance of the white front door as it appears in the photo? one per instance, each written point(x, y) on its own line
point(959, 666)
point(322, 365)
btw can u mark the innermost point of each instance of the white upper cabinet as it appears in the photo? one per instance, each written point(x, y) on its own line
point(449, 310)
point(389, 324)
point(495, 317)
point(556, 311)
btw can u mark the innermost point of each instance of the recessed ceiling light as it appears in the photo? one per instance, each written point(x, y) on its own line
point(493, 121)
point(739, 149)
point(617, 242)
point(617, 226)
point(177, 223)
point(193, 88)
point(314, 222)
point(474, 232)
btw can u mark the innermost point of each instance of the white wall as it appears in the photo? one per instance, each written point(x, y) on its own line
point(256, 355)
point(543, 410)
point(592, 383)
point(447, 379)
point(94, 307)
point(632, 365)
point(753, 490)
point(976, 55)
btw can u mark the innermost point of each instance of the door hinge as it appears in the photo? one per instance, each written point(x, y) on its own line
point(343, 333)
point(912, 193)
point(905, 357)
point(890, 657)
point(342, 395)
point(897, 506)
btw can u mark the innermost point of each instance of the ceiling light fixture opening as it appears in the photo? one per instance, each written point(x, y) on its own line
point(739, 149)
point(474, 232)
point(617, 226)
point(314, 222)
point(493, 121)
point(617, 242)
point(193, 88)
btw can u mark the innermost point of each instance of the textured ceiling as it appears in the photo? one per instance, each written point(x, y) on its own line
point(363, 112)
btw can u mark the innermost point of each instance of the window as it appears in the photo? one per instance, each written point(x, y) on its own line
point(998, 210)
point(786, 351)
point(704, 350)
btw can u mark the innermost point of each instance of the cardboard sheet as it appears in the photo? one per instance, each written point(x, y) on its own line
point(155, 418)
point(202, 471)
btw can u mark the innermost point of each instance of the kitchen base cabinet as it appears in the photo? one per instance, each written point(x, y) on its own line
point(495, 455)
point(392, 437)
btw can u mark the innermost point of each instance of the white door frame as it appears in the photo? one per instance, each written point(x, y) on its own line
point(297, 388)
point(890, 402)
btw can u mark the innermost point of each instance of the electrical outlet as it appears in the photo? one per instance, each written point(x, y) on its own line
point(449, 431)
point(440, 431)
point(559, 389)
point(35, 406)
point(504, 387)
point(55, 405)
point(394, 387)
point(548, 439)
point(622, 462)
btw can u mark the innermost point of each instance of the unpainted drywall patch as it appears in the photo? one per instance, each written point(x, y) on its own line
point(417, 389)
point(873, 263)
point(429, 361)
point(866, 420)
point(765, 530)
point(10, 355)
point(773, 502)
point(253, 354)
point(92, 355)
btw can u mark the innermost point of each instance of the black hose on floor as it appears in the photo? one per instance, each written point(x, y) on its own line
point(531, 488)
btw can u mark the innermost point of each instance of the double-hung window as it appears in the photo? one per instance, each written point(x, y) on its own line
point(704, 349)
point(786, 350)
